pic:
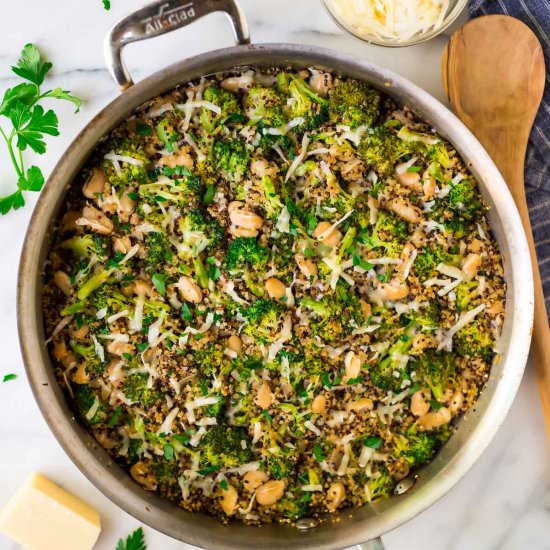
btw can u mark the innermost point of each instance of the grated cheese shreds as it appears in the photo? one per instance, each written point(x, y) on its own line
point(390, 19)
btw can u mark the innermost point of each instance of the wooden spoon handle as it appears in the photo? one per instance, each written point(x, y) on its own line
point(540, 345)
point(511, 164)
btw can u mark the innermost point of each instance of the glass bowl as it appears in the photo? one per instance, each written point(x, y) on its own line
point(454, 9)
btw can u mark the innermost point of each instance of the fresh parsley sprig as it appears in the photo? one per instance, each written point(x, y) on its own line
point(29, 122)
point(134, 541)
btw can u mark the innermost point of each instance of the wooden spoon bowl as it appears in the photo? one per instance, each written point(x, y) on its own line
point(494, 75)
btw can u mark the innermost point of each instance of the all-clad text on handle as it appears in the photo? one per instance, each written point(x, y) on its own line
point(161, 17)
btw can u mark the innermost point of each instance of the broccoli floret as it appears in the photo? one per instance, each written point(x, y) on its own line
point(273, 204)
point(465, 292)
point(429, 316)
point(296, 507)
point(263, 318)
point(354, 104)
point(88, 353)
point(160, 249)
point(303, 102)
point(84, 246)
point(381, 486)
point(270, 144)
point(389, 233)
point(243, 252)
point(426, 261)
point(91, 284)
point(84, 399)
point(266, 105)
point(382, 149)
point(247, 258)
point(281, 465)
point(417, 448)
point(167, 133)
point(475, 340)
point(387, 374)
point(435, 370)
point(210, 359)
point(232, 157)
point(221, 447)
point(335, 317)
point(129, 172)
point(198, 233)
point(464, 199)
point(183, 188)
point(223, 99)
point(135, 388)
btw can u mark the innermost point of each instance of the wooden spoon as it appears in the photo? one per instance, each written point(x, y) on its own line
point(494, 74)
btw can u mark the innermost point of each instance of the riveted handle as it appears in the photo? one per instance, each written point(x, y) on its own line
point(159, 18)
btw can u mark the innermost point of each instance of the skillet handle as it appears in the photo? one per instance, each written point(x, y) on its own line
point(159, 18)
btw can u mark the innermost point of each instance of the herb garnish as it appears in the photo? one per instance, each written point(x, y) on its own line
point(30, 123)
point(134, 541)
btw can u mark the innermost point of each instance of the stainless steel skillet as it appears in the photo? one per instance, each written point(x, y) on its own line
point(474, 433)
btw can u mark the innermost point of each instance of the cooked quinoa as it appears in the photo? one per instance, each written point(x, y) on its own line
point(271, 294)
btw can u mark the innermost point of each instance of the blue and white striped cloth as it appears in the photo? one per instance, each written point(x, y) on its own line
point(536, 15)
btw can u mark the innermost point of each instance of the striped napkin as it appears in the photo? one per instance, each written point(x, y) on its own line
point(536, 15)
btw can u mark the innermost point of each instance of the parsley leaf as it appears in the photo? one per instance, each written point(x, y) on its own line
point(159, 280)
point(134, 541)
point(30, 65)
point(372, 442)
point(30, 123)
point(106, 4)
point(8, 377)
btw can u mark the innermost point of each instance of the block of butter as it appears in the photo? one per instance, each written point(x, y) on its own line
point(42, 516)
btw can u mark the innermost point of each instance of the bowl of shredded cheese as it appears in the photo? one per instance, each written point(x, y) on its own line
point(394, 23)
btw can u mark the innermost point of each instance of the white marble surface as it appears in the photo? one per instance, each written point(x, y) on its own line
point(502, 503)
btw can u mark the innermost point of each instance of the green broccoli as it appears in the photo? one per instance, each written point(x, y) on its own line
point(387, 374)
point(198, 233)
point(245, 252)
point(84, 246)
point(210, 359)
point(475, 340)
point(302, 102)
point(221, 447)
point(232, 157)
point(273, 204)
point(417, 448)
point(266, 105)
point(435, 370)
point(130, 172)
point(135, 388)
point(263, 318)
point(88, 353)
point(464, 199)
point(427, 317)
point(381, 486)
point(426, 261)
point(389, 232)
point(465, 293)
point(382, 149)
point(272, 145)
point(93, 282)
point(83, 400)
point(334, 317)
point(354, 104)
point(167, 133)
point(223, 99)
point(160, 249)
point(281, 465)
